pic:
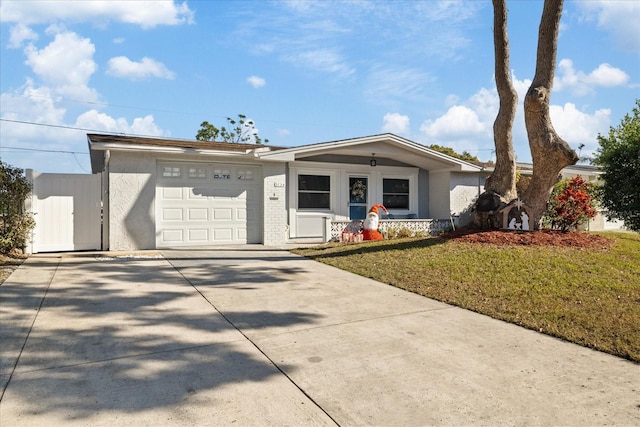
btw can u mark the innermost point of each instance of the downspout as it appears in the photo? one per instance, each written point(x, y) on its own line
point(104, 198)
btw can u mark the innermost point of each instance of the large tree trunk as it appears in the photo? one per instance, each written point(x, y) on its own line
point(503, 179)
point(500, 187)
point(549, 152)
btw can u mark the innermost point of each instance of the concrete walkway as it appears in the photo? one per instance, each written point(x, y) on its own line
point(252, 336)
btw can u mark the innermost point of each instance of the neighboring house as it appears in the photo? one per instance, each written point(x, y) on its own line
point(591, 174)
point(175, 193)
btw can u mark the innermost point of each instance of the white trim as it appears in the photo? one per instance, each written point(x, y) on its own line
point(294, 212)
point(169, 150)
point(290, 154)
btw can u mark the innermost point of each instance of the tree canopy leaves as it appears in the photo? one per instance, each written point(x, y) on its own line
point(15, 224)
point(619, 158)
point(238, 130)
point(466, 156)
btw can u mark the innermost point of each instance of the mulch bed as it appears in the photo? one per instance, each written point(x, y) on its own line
point(573, 239)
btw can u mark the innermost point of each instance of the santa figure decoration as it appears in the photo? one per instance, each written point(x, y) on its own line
point(371, 231)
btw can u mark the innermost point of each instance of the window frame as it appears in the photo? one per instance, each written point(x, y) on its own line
point(407, 194)
point(328, 192)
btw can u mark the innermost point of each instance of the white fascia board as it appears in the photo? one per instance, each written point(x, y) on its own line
point(289, 154)
point(168, 150)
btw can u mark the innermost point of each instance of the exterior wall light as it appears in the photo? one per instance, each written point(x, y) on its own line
point(373, 162)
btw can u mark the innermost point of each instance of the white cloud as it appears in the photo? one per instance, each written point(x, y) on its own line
point(577, 127)
point(145, 13)
point(485, 103)
point(95, 120)
point(619, 18)
point(121, 66)
point(468, 125)
point(283, 132)
point(256, 81)
point(606, 75)
point(451, 100)
point(396, 84)
point(66, 64)
point(31, 104)
point(395, 123)
point(581, 84)
point(19, 34)
point(458, 122)
point(326, 60)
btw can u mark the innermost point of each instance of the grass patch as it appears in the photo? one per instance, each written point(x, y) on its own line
point(587, 296)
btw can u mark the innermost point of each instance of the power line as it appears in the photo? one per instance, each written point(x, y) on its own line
point(43, 151)
point(40, 150)
point(55, 126)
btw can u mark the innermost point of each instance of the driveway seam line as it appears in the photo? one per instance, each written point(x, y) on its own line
point(360, 321)
point(275, 365)
point(33, 322)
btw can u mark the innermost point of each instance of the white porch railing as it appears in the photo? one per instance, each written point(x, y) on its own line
point(432, 227)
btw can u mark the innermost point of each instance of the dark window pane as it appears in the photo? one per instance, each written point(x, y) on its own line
point(314, 182)
point(395, 186)
point(314, 200)
point(395, 193)
point(396, 201)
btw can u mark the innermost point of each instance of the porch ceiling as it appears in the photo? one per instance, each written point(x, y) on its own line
point(387, 146)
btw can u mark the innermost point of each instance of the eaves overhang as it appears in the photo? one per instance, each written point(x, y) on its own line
point(99, 144)
point(381, 146)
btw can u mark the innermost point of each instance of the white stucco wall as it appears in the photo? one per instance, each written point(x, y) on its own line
point(275, 228)
point(465, 188)
point(439, 197)
point(132, 187)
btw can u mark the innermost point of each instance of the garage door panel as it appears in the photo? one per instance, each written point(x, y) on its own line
point(223, 234)
point(226, 194)
point(196, 208)
point(222, 214)
point(199, 235)
point(171, 214)
point(200, 193)
point(198, 214)
point(171, 193)
point(172, 236)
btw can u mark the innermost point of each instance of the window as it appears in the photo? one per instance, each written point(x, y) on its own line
point(245, 174)
point(314, 192)
point(171, 172)
point(395, 193)
point(221, 174)
point(197, 173)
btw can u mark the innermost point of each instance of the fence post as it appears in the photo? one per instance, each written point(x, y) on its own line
point(326, 231)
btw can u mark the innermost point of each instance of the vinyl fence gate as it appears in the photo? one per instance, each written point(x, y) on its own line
point(67, 209)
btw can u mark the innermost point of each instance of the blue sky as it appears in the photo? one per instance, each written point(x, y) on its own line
point(304, 71)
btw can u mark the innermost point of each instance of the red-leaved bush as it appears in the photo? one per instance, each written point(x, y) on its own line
point(572, 204)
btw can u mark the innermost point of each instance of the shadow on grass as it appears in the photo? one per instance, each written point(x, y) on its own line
point(368, 248)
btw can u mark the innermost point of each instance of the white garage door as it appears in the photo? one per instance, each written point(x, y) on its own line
point(208, 204)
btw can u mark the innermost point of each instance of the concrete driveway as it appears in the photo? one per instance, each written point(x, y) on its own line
point(252, 336)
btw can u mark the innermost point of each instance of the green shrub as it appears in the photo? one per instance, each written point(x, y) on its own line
point(15, 223)
point(402, 233)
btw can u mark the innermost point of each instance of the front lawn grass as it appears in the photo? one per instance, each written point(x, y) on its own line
point(587, 296)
